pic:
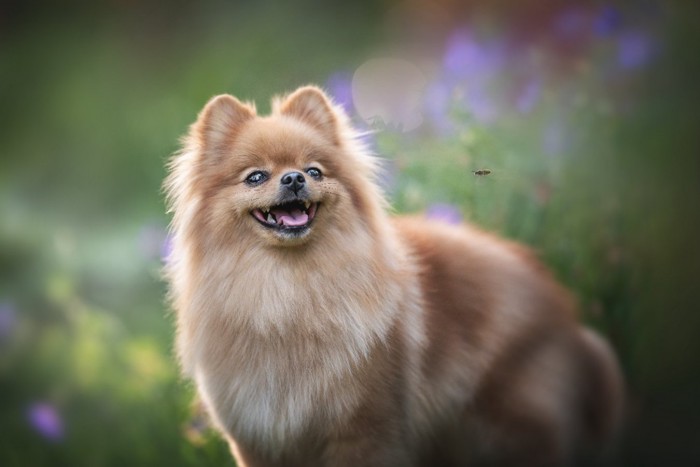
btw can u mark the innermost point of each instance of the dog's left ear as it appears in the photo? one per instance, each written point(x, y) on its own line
point(310, 105)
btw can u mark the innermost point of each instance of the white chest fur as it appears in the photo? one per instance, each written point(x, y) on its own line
point(273, 349)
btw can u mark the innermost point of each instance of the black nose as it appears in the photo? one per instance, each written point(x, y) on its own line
point(294, 181)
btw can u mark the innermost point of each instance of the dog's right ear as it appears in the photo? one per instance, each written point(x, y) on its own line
point(220, 121)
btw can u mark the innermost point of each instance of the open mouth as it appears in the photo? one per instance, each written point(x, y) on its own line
point(294, 216)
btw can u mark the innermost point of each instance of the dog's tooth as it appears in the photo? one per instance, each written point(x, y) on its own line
point(307, 204)
point(270, 219)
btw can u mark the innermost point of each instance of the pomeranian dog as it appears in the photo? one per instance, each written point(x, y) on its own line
point(321, 332)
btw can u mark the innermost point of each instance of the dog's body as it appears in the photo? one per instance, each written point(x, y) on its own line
point(319, 332)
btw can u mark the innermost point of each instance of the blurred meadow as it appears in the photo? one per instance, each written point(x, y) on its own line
point(571, 126)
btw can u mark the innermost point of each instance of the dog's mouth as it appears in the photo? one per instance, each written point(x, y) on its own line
point(295, 216)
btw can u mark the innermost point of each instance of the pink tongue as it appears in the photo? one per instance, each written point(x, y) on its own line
point(292, 218)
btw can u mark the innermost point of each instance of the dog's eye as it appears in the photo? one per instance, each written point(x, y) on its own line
point(314, 172)
point(256, 178)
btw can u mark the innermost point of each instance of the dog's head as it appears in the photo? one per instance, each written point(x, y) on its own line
point(281, 179)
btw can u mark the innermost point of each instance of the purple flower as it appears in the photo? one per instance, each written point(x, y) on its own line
point(467, 59)
point(608, 21)
point(461, 55)
point(443, 212)
point(339, 85)
point(471, 68)
point(8, 319)
point(634, 50)
point(529, 96)
point(45, 420)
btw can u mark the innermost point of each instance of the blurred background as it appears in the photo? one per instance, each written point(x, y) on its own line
point(571, 126)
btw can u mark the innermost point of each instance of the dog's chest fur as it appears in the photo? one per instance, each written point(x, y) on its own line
point(278, 357)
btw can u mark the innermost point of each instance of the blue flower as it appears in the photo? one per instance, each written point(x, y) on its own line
point(45, 420)
point(443, 212)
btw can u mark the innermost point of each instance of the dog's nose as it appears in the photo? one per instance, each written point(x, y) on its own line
point(294, 181)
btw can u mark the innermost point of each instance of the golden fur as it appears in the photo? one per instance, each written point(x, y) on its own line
point(357, 339)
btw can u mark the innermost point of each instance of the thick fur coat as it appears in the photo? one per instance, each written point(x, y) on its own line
point(321, 332)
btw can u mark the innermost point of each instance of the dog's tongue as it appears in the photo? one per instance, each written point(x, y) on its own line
point(292, 218)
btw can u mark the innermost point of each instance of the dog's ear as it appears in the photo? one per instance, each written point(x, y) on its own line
point(310, 105)
point(220, 120)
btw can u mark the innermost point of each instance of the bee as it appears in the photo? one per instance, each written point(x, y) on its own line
point(481, 172)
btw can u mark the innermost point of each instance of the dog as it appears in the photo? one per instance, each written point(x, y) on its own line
point(320, 331)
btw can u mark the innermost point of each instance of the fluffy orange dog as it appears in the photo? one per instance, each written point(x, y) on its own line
point(320, 332)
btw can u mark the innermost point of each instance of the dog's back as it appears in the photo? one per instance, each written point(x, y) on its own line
point(535, 385)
